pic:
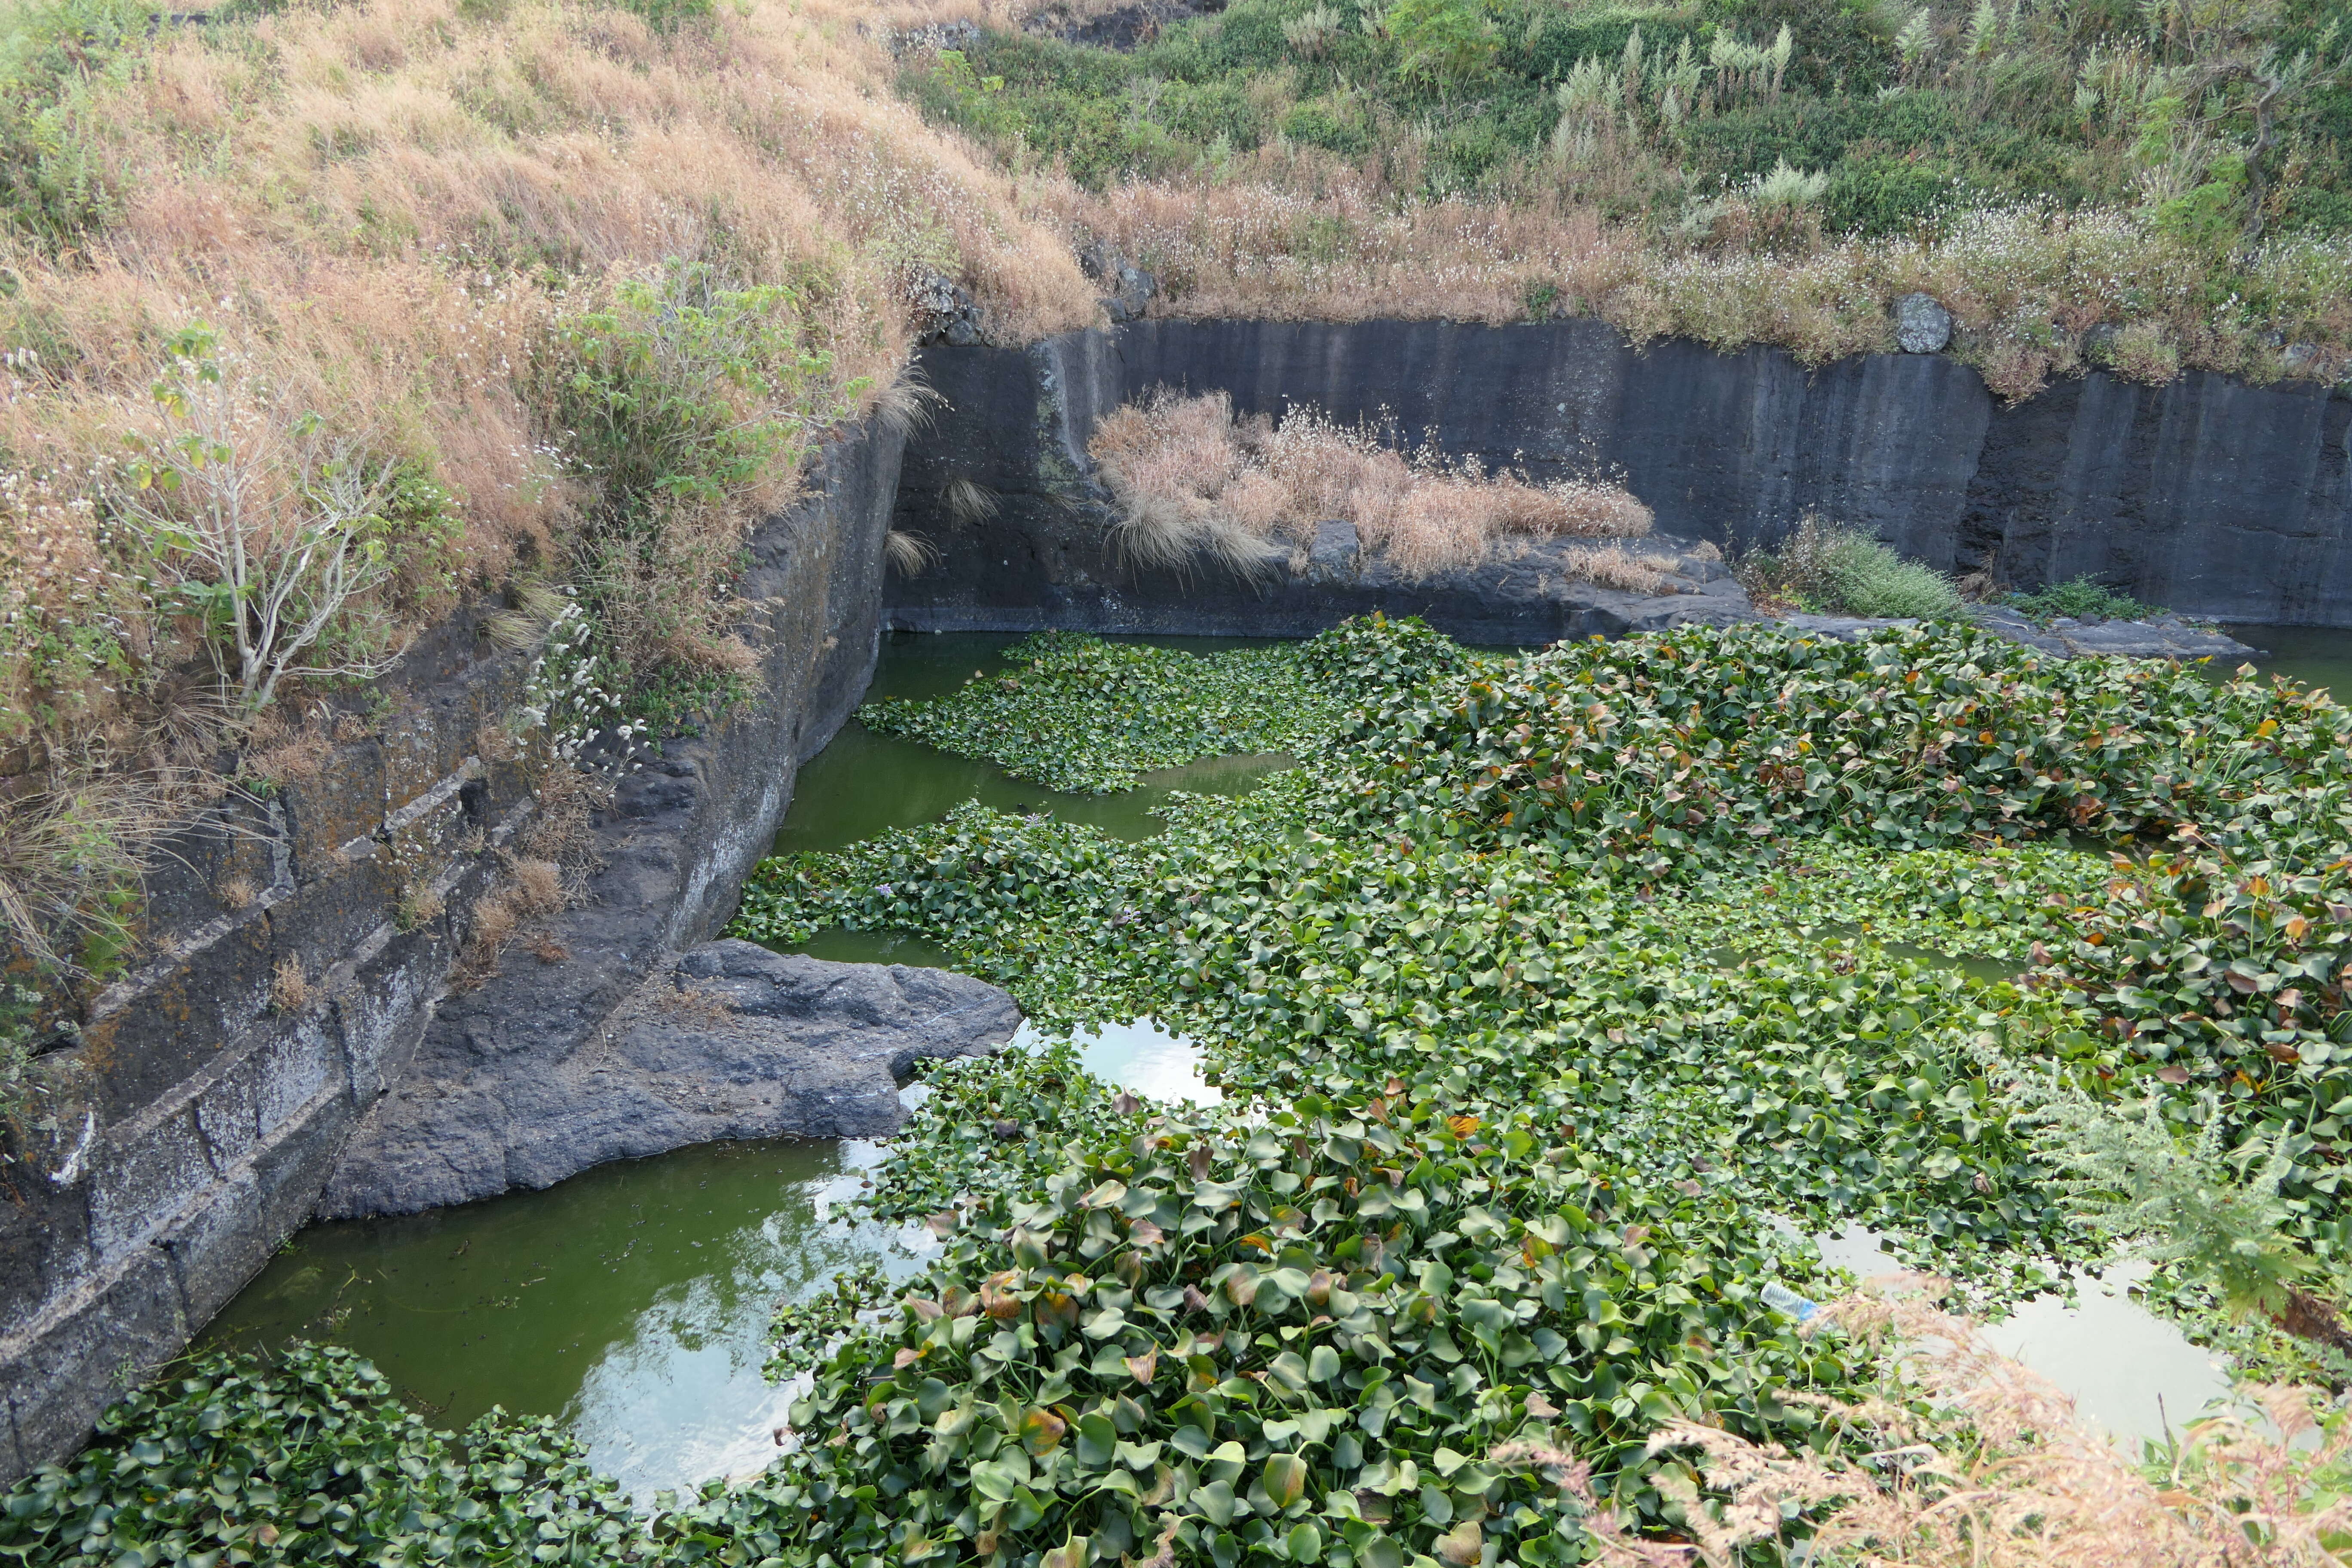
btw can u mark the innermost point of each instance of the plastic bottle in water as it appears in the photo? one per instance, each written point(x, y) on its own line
point(1779, 1298)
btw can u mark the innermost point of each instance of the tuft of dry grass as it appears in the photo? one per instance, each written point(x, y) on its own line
point(1615, 566)
point(279, 751)
point(1294, 233)
point(290, 990)
point(379, 217)
point(692, 1004)
point(237, 893)
point(911, 553)
point(966, 502)
point(531, 889)
point(562, 826)
point(66, 852)
point(1193, 481)
point(418, 906)
point(1967, 1459)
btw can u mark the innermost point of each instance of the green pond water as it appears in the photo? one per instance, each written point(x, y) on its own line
point(2317, 656)
point(632, 1301)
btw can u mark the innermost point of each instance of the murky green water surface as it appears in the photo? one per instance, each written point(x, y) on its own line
point(632, 1300)
point(864, 783)
point(2317, 655)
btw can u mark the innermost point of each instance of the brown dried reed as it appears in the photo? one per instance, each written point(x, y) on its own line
point(1191, 480)
point(1999, 1471)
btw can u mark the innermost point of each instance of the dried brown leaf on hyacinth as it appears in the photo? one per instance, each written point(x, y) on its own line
point(1193, 481)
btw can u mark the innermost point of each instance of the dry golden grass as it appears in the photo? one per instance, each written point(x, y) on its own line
point(2001, 1473)
point(1292, 234)
point(531, 889)
point(1193, 481)
point(383, 211)
point(563, 824)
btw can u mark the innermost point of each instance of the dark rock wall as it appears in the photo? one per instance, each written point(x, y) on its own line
point(214, 1122)
point(468, 1117)
point(2209, 496)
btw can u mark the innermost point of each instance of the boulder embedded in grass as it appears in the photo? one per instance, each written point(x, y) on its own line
point(1921, 325)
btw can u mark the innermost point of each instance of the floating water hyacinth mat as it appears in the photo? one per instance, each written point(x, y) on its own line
point(1078, 714)
point(1555, 997)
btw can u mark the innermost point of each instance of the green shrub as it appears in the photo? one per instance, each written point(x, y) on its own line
point(667, 16)
point(54, 184)
point(2082, 598)
point(1890, 196)
point(2216, 1215)
point(1559, 36)
point(1870, 579)
point(1830, 568)
point(686, 387)
point(1442, 45)
point(1316, 125)
point(1815, 133)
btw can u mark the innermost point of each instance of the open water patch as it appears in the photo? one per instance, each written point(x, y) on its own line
point(2132, 1374)
point(2317, 656)
point(866, 783)
point(1138, 1056)
point(632, 1301)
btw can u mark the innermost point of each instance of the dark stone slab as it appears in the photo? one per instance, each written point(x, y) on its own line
point(733, 1041)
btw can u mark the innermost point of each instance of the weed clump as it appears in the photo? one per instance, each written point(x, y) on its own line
point(1074, 714)
point(2082, 599)
point(1830, 569)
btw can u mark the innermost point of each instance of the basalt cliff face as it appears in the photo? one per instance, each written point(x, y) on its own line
point(2215, 498)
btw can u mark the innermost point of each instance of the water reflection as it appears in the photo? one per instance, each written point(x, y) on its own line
point(632, 1300)
point(1141, 1058)
point(2130, 1373)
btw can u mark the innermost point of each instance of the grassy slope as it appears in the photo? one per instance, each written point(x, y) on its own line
point(2042, 171)
point(556, 293)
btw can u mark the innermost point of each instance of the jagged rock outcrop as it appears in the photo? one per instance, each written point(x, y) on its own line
point(222, 1111)
point(2163, 636)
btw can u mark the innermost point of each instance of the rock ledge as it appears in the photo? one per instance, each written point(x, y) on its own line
point(728, 1041)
